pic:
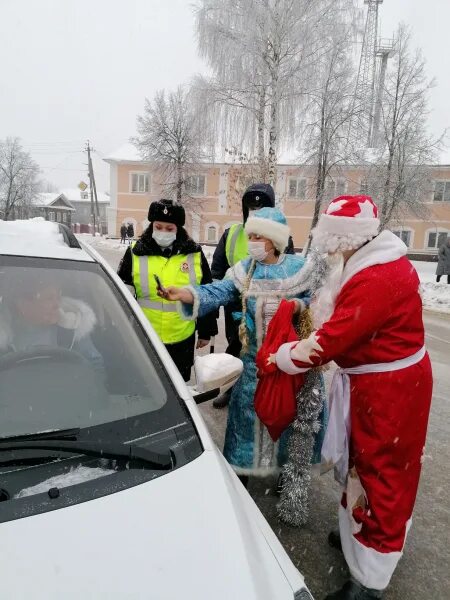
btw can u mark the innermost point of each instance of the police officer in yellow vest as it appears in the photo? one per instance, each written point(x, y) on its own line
point(166, 250)
point(232, 248)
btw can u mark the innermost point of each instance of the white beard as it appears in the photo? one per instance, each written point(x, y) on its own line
point(323, 304)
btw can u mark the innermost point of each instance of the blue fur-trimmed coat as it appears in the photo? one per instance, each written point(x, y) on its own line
point(248, 446)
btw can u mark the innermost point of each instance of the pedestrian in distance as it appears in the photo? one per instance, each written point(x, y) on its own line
point(443, 266)
point(123, 233)
point(165, 255)
point(369, 321)
point(257, 284)
point(130, 232)
point(232, 248)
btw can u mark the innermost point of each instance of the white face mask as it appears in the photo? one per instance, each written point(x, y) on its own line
point(257, 250)
point(164, 239)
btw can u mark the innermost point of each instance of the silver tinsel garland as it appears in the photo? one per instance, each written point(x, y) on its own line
point(293, 507)
point(296, 474)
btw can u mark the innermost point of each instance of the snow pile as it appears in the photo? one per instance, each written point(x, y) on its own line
point(73, 477)
point(436, 296)
point(98, 242)
point(208, 251)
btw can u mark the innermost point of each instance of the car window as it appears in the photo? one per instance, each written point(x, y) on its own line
point(72, 353)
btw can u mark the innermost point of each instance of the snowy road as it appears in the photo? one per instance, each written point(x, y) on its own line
point(424, 572)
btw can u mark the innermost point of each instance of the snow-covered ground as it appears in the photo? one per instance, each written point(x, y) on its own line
point(436, 296)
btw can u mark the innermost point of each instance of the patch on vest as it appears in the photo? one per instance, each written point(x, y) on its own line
point(184, 267)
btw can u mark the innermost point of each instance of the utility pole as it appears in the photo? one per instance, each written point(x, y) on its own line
point(93, 190)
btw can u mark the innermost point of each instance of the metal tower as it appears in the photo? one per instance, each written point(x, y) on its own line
point(384, 50)
point(365, 84)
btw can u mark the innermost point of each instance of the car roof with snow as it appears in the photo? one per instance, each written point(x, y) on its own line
point(40, 238)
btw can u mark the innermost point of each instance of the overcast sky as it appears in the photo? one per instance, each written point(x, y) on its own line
point(78, 69)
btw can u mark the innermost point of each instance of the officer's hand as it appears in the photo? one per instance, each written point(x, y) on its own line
point(202, 344)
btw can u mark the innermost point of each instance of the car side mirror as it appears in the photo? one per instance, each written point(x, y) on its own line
point(215, 374)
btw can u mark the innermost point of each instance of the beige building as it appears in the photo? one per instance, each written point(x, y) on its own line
point(216, 190)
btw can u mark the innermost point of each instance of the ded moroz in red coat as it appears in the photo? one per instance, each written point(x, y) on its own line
point(376, 326)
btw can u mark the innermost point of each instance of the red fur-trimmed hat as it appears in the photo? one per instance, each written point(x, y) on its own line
point(347, 224)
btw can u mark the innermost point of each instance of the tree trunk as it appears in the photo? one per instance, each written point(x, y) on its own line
point(386, 208)
point(261, 132)
point(179, 182)
point(273, 138)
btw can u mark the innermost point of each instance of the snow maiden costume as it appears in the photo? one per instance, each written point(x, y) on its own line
point(371, 326)
point(248, 446)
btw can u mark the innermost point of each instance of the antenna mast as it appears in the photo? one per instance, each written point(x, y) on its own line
point(365, 84)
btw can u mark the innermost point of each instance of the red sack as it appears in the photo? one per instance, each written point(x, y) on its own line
point(275, 397)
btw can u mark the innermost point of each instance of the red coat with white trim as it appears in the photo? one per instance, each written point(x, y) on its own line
point(378, 319)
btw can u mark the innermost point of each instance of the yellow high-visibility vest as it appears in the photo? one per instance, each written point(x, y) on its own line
point(236, 248)
point(179, 270)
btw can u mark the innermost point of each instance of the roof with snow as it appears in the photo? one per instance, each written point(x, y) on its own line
point(126, 153)
point(55, 199)
point(76, 195)
point(37, 238)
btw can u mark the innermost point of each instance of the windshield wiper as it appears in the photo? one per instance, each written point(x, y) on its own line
point(58, 434)
point(113, 451)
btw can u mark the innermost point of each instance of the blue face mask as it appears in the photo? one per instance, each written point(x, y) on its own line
point(164, 239)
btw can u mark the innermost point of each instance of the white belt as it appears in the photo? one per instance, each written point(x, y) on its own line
point(335, 449)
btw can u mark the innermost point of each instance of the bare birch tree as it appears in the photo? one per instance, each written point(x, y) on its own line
point(170, 136)
point(398, 174)
point(330, 110)
point(263, 55)
point(19, 182)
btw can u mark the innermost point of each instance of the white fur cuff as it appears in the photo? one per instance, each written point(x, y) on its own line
point(189, 312)
point(285, 362)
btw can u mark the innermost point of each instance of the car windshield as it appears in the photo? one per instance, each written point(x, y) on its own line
point(72, 354)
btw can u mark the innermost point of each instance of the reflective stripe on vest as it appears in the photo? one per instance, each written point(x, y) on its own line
point(237, 244)
point(178, 270)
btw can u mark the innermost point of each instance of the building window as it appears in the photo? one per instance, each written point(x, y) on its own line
point(51, 216)
point(195, 185)
point(442, 191)
point(405, 236)
point(330, 188)
point(139, 183)
point(341, 187)
point(364, 187)
point(212, 234)
point(64, 218)
point(436, 239)
point(297, 189)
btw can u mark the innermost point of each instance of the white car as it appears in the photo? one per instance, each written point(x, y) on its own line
point(110, 484)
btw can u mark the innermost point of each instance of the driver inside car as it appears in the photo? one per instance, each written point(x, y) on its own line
point(34, 313)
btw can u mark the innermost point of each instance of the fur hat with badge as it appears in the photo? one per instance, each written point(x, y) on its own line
point(167, 211)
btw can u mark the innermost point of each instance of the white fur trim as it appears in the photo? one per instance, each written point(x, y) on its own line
point(256, 471)
point(369, 567)
point(77, 315)
point(276, 232)
point(195, 307)
point(385, 248)
point(325, 242)
point(284, 360)
point(334, 225)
